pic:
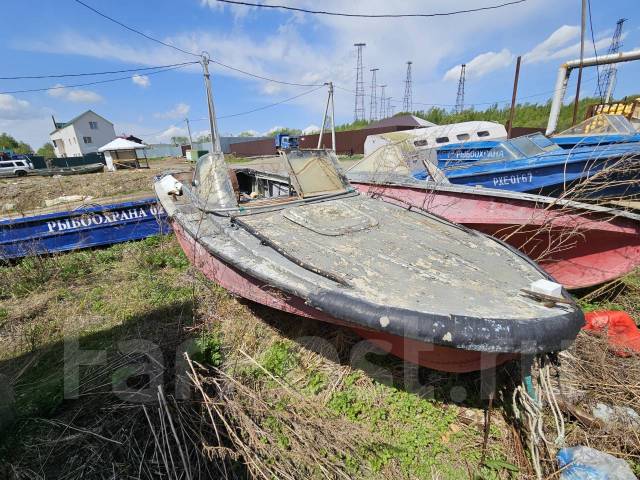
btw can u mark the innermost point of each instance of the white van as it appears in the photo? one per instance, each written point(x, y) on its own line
point(15, 168)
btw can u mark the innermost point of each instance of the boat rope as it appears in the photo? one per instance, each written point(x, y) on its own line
point(528, 407)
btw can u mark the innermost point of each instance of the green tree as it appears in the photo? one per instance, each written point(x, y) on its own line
point(290, 131)
point(10, 143)
point(46, 150)
point(179, 140)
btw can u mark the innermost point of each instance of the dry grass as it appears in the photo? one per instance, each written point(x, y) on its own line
point(30, 193)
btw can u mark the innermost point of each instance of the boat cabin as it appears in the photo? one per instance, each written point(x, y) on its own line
point(301, 175)
point(514, 149)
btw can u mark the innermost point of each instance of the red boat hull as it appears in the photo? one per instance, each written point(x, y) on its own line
point(578, 248)
point(422, 353)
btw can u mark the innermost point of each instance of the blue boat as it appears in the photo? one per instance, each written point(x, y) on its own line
point(598, 130)
point(535, 164)
point(83, 227)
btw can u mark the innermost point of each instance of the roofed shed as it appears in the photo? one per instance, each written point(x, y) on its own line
point(124, 153)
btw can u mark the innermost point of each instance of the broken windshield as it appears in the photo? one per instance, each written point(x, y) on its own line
point(315, 172)
point(601, 125)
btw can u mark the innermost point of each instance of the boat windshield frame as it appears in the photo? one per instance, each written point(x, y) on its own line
point(615, 125)
point(533, 145)
point(327, 162)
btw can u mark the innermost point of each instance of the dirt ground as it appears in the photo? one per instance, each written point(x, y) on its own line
point(18, 195)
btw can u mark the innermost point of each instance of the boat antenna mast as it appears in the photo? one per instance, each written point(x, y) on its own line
point(608, 75)
point(213, 126)
point(461, 82)
point(358, 111)
point(211, 177)
point(324, 119)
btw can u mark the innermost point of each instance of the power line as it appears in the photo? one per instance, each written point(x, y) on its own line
point(595, 52)
point(247, 112)
point(60, 87)
point(62, 75)
point(493, 102)
point(266, 78)
point(230, 67)
point(362, 15)
point(264, 107)
point(131, 29)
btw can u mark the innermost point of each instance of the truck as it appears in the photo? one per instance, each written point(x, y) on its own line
point(286, 141)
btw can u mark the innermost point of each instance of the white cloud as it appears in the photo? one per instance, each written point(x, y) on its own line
point(272, 129)
point(481, 65)
point(172, 131)
point(249, 133)
point(12, 108)
point(315, 49)
point(554, 42)
point(310, 129)
point(75, 95)
point(141, 80)
point(559, 46)
point(179, 111)
point(84, 96)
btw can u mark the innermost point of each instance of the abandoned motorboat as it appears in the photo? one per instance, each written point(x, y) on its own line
point(535, 164)
point(431, 292)
point(598, 130)
point(83, 225)
point(579, 244)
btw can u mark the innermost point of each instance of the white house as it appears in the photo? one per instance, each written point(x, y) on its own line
point(81, 135)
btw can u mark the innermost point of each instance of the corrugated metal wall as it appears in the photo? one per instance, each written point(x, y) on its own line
point(349, 142)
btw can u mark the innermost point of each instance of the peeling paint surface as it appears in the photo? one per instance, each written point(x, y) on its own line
point(404, 258)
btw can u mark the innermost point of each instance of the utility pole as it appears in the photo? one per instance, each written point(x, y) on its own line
point(389, 107)
point(324, 119)
point(583, 27)
point(358, 111)
point(513, 96)
point(383, 103)
point(407, 102)
point(189, 130)
point(460, 95)
point(373, 106)
point(608, 75)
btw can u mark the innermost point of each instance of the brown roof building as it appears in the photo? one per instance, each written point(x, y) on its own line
point(348, 142)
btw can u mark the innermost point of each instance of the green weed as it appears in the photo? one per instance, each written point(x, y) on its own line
point(279, 359)
point(209, 349)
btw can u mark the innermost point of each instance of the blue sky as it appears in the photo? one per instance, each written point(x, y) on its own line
point(64, 37)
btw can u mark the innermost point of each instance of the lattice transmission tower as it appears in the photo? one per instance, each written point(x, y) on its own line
point(373, 106)
point(407, 102)
point(389, 107)
point(383, 103)
point(460, 96)
point(607, 76)
point(358, 111)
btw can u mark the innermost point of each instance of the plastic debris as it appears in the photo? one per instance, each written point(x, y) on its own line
point(585, 463)
point(625, 416)
point(547, 287)
point(66, 199)
point(621, 330)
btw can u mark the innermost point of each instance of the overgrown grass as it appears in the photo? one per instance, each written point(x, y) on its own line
point(286, 396)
